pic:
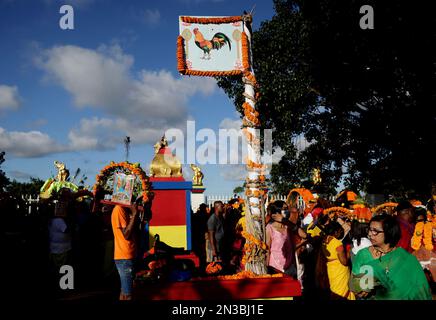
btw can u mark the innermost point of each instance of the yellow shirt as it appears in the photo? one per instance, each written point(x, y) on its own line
point(313, 232)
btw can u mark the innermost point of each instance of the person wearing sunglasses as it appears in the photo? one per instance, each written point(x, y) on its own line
point(385, 271)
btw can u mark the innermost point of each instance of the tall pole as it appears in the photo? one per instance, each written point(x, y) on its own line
point(127, 146)
point(255, 249)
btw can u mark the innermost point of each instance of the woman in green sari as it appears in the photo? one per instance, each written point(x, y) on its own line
point(385, 271)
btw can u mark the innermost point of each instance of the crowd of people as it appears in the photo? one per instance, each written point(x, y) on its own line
point(367, 256)
point(333, 256)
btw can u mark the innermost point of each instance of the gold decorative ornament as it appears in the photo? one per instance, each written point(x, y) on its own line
point(197, 179)
point(164, 163)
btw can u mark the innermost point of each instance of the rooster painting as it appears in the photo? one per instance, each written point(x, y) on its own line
point(217, 42)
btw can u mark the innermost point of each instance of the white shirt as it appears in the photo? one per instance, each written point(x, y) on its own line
point(60, 240)
point(364, 243)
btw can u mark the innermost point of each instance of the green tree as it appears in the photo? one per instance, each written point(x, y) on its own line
point(4, 181)
point(360, 98)
point(238, 189)
point(25, 188)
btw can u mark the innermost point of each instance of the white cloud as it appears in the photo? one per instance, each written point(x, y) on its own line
point(144, 104)
point(235, 172)
point(9, 97)
point(28, 144)
point(228, 123)
point(151, 17)
point(103, 134)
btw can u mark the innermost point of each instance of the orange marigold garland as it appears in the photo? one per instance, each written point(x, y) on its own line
point(250, 77)
point(333, 210)
point(215, 20)
point(252, 247)
point(214, 267)
point(181, 65)
point(254, 165)
point(251, 114)
point(423, 234)
point(255, 193)
point(245, 50)
point(384, 206)
point(249, 275)
point(132, 168)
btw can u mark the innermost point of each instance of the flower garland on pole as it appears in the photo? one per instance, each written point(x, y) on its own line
point(135, 169)
point(255, 250)
point(189, 64)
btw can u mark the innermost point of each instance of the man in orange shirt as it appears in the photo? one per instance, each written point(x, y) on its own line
point(124, 222)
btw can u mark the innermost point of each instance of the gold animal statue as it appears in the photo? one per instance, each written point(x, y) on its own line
point(56, 184)
point(63, 172)
point(197, 179)
point(164, 164)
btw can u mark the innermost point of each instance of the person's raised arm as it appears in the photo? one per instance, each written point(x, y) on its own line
point(342, 256)
point(128, 230)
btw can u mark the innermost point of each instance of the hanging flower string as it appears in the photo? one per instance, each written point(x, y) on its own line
point(255, 193)
point(249, 275)
point(245, 50)
point(423, 230)
point(383, 206)
point(181, 64)
point(334, 210)
point(253, 247)
point(132, 168)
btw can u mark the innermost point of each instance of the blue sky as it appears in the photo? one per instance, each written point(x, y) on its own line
point(73, 95)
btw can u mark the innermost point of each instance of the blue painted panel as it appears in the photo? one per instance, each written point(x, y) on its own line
point(188, 221)
point(171, 185)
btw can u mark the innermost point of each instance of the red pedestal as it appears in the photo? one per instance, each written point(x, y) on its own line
point(171, 211)
point(214, 289)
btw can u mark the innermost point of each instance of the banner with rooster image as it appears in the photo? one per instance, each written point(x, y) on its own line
point(212, 46)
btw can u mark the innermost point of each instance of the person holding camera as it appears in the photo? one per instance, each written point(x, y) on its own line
point(280, 256)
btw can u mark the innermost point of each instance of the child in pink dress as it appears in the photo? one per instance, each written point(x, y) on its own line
point(279, 241)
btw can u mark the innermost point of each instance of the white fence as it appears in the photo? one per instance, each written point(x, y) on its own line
point(210, 199)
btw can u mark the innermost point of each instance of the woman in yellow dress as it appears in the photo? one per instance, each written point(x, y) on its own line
point(337, 262)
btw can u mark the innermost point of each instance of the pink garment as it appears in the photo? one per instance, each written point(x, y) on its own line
point(281, 251)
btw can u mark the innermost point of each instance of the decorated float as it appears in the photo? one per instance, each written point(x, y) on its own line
point(220, 46)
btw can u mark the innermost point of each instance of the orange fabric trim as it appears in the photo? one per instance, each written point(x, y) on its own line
point(216, 20)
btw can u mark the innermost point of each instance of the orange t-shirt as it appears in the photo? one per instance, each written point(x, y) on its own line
point(124, 249)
